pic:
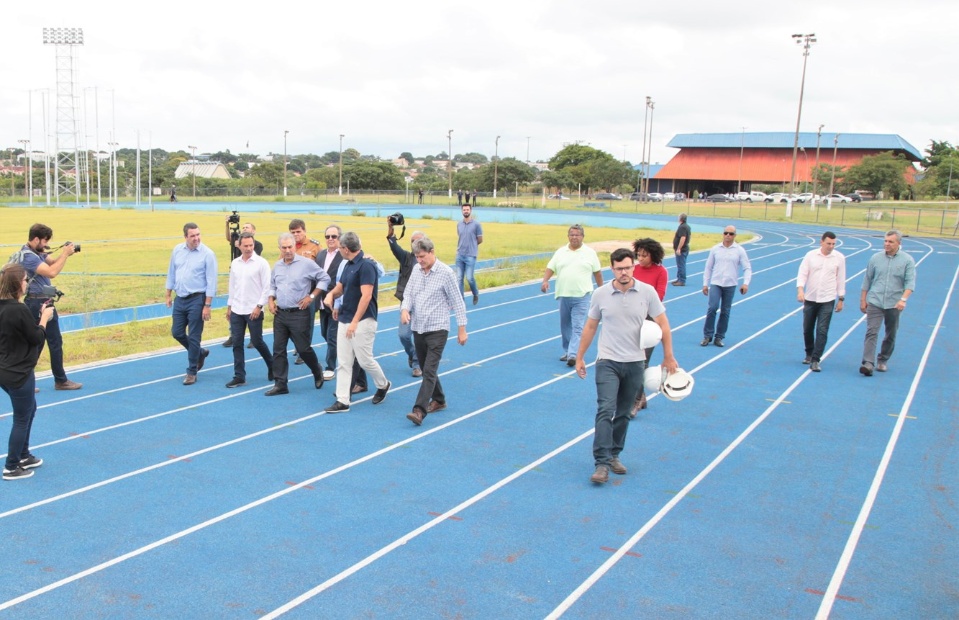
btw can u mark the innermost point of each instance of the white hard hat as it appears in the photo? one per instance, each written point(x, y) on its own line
point(653, 380)
point(678, 385)
point(650, 335)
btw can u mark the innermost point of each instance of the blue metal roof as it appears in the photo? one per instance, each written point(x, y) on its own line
point(784, 140)
point(653, 169)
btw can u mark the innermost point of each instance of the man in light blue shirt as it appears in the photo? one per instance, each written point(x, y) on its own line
point(720, 277)
point(470, 233)
point(889, 281)
point(192, 275)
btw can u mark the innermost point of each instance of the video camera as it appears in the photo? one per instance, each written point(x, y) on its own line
point(397, 219)
point(52, 292)
point(234, 218)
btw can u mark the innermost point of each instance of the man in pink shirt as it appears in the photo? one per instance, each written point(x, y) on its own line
point(821, 289)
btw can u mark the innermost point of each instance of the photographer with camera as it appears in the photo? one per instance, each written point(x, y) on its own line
point(21, 339)
point(407, 261)
point(233, 232)
point(41, 267)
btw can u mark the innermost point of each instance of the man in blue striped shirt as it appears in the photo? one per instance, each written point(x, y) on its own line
point(192, 275)
point(431, 293)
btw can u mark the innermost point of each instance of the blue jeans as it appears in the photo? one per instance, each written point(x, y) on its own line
point(816, 318)
point(465, 266)
point(188, 327)
point(238, 325)
point(405, 332)
point(328, 329)
point(572, 318)
point(24, 402)
point(53, 336)
point(681, 264)
point(720, 298)
point(876, 317)
point(617, 384)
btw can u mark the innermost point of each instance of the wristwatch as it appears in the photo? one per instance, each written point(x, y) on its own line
point(312, 296)
point(260, 306)
point(841, 298)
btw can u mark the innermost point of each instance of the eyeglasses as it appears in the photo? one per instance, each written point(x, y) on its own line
point(623, 269)
point(332, 236)
point(729, 234)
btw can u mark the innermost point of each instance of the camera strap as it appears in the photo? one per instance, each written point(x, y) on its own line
point(17, 257)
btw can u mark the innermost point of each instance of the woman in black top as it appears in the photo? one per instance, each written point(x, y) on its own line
point(21, 340)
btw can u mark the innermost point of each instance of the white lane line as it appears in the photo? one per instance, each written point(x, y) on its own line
point(283, 492)
point(832, 591)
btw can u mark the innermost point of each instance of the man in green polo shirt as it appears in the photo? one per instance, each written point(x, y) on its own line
point(576, 266)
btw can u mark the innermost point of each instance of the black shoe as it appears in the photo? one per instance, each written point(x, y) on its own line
point(299, 361)
point(718, 342)
point(705, 342)
point(866, 369)
point(277, 390)
point(228, 342)
point(807, 359)
point(31, 462)
point(571, 361)
point(410, 362)
point(318, 382)
point(814, 366)
point(475, 299)
point(380, 395)
point(234, 382)
point(203, 355)
point(337, 407)
point(564, 358)
point(17, 473)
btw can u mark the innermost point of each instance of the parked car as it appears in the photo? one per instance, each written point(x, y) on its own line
point(808, 197)
point(781, 198)
point(854, 197)
point(557, 197)
point(669, 196)
point(680, 196)
point(831, 198)
point(638, 196)
point(606, 196)
point(655, 196)
point(719, 198)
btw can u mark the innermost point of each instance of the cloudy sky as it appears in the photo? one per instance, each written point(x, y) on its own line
point(395, 76)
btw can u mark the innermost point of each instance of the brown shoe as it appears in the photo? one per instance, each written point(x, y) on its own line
point(416, 417)
point(67, 385)
point(601, 475)
point(417, 372)
point(189, 380)
point(358, 389)
point(617, 466)
point(434, 406)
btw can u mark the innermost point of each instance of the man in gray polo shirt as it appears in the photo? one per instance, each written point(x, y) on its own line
point(470, 233)
point(622, 305)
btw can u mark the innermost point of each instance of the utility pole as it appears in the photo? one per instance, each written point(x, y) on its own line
point(815, 179)
point(285, 133)
point(449, 161)
point(806, 40)
point(496, 166)
point(832, 178)
point(193, 149)
point(342, 135)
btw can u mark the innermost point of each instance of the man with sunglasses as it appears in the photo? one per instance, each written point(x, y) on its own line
point(329, 260)
point(720, 277)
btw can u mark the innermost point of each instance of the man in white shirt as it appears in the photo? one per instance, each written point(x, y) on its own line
point(249, 292)
point(821, 289)
point(719, 284)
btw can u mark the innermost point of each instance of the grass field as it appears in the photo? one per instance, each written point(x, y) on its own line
point(124, 257)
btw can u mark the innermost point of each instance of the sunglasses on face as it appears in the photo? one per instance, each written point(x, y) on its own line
point(332, 236)
point(729, 234)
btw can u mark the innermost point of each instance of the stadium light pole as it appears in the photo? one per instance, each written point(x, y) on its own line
point(449, 161)
point(193, 149)
point(805, 157)
point(642, 157)
point(649, 153)
point(27, 185)
point(815, 178)
point(342, 135)
point(742, 144)
point(832, 178)
point(286, 132)
point(527, 149)
point(806, 40)
point(496, 166)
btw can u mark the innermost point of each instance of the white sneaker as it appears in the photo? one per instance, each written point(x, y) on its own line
point(328, 375)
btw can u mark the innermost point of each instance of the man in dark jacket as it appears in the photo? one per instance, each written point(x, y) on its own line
point(329, 260)
point(407, 260)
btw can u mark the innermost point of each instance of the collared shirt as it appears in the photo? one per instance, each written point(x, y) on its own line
point(357, 273)
point(30, 261)
point(192, 271)
point(293, 281)
point(380, 272)
point(888, 277)
point(724, 263)
point(574, 270)
point(469, 234)
point(822, 276)
point(430, 296)
point(249, 284)
point(683, 230)
point(309, 248)
point(622, 315)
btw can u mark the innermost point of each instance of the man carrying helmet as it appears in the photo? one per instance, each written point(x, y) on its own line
point(622, 305)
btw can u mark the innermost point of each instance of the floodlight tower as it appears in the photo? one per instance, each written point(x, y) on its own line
point(495, 166)
point(28, 185)
point(67, 144)
point(449, 161)
point(806, 40)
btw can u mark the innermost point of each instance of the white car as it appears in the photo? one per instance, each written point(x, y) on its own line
point(669, 196)
point(808, 197)
point(831, 198)
point(655, 196)
point(750, 197)
point(557, 197)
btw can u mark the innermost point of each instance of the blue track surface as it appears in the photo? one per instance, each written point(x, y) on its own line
point(769, 492)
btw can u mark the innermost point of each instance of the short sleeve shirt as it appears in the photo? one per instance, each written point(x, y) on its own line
point(621, 315)
point(356, 273)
